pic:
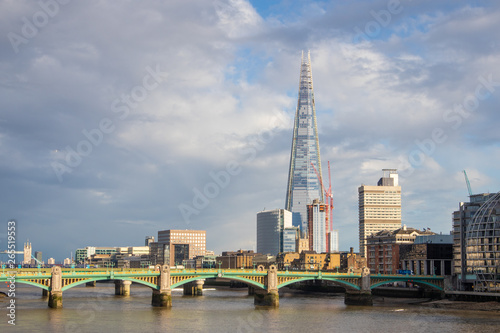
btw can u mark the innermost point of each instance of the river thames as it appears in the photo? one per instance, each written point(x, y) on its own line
point(97, 309)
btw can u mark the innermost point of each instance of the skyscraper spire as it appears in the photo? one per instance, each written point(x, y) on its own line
point(303, 184)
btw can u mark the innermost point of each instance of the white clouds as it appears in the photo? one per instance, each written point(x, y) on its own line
point(237, 18)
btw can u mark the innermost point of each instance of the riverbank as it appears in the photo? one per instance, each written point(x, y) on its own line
point(427, 302)
point(461, 305)
point(437, 304)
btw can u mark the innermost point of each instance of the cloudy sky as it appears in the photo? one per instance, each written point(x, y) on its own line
point(119, 119)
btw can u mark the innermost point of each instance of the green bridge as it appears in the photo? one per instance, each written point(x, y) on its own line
point(264, 283)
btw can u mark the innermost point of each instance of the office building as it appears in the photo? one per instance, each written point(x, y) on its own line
point(158, 252)
point(169, 254)
point(148, 240)
point(176, 246)
point(303, 184)
point(86, 254)
point(462, 218)
point(476, 248)
point(317, 214)
point(38, 257)
point(384, 246)
point(271, 225)
point(428, 255)
point(194, 239)
point(379, 207)
point(236, 259)
point(290, 236)
point(334, 241)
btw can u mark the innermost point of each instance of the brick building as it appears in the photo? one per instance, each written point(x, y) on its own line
point(383, 248)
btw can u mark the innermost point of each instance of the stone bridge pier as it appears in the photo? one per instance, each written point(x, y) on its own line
point(363, 296)
point(268, 297)
point(122, 287)
point(194, 288)
point(162, 297)
point(55, 291)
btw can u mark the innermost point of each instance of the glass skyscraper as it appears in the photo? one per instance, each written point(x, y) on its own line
point(303, 184)
point(271, 226)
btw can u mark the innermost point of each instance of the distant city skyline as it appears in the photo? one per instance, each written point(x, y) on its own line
point(106, 130)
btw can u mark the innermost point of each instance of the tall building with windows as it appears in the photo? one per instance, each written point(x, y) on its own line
point(194, 239)
point(476, 243)
point(334, 241)
point(303, 184)
point(379, 207)
point(271, 226)
point(383, 248)
point(290, 236)
point(38, 257)
point(317, 214)
point(462, 218)
point(149, 240)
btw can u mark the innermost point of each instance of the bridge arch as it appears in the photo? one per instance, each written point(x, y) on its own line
point(342, 283)
point(429, 284)
point(77, 283)
point(235, 278)
point(35, 284)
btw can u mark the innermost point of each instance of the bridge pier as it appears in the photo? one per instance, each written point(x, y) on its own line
point(358, 298)
point(163, 296)
point(363, 296)
point(194, 288)
point(268, 297)
point(55, 299)
point(122, 287)
point(55, 294)
point(118, 287)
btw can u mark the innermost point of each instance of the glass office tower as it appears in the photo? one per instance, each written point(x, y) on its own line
point(303, 184)
point(271, 225)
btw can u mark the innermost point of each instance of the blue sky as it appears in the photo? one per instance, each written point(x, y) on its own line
point(114, 116)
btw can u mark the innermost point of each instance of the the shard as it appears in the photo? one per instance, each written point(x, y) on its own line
point(303, 184)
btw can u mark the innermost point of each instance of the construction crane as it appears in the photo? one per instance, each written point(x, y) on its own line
point(468, 183)
point(328, 194)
